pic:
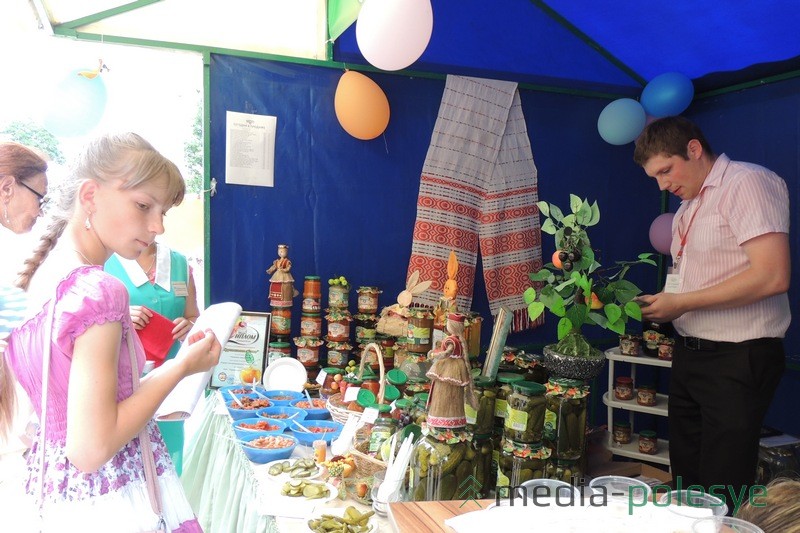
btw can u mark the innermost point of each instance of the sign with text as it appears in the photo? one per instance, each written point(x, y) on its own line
point(244, 356)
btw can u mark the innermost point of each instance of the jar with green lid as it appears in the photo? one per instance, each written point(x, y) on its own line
point(440, 463)
point(415, 386)
point(416, 366)
point(504, 380)
point(277, 350)
point(621, 432)
point(481, 452)
point(519, 463)
point(383, 428)
point(397, 378)
point(481, 421)
point(567, 470)
point(565, 417)
point(525, 412)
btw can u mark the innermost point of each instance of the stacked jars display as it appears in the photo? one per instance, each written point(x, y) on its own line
point(523, 455)
point(310, 339)
point(366, 320)
point(442, 460)
point(565, 417)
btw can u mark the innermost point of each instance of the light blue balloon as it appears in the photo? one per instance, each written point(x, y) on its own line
point(621, 121)
point(667, 95)
point(77, 106)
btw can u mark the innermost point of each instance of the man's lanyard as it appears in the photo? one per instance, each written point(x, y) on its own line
point(684, 236)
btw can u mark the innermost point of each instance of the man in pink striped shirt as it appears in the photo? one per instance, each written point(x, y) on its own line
point(726, 296)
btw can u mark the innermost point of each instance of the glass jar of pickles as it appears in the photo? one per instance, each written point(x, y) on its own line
point(419, 411)
point(525, 413)
point(567, 470)
point(481, 420)
point(481, 452)
point(440, 463)
point(520, 463)
point(382, 429)
point(504, 380)
point(565, 417)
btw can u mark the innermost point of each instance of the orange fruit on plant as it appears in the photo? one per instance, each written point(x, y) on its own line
point(556, 261)
point(596, 303)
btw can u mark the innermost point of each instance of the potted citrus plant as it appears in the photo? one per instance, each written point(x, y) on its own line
point(579, 291)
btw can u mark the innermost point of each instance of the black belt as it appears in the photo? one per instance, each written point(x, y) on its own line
point(704, 345)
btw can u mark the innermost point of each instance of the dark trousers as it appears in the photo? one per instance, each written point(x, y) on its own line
point(718, 397)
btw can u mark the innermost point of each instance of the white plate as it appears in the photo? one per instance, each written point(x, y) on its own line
point(283, 477)
point(286, 373)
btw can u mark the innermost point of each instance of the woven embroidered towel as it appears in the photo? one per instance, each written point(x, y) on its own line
point(478, 191)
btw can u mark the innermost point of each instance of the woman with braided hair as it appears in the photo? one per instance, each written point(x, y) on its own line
point(86, 465)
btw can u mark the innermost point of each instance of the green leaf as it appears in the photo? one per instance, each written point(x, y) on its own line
point(586, 284)
point(595, 215)
point(535, 309)
point(648, 262)
point(587, 258)
point(613, 312)
point(570, 221)
point(584, 214)
point(617, 327)
point(594, 266)
point(544, 208)
point(577, 314)
point(529, 295)
point(556, 213)
point(575, 203)
point(553, 301)
point(542, 275)
point(598, 319)
point(548, 227)
point(633, 310)
point(564, 327)
point(565, 284)
point(624, 291)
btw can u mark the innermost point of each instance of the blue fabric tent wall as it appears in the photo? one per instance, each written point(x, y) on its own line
point(347, 207)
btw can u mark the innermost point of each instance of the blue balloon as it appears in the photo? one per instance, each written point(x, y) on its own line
point(667, 95)
point(621, 121)
point(77, 105)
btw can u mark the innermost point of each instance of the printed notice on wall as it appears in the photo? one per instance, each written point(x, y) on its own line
point(250, 149)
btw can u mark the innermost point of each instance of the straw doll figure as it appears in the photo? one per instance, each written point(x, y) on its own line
point(281, 286)
point(451, 380)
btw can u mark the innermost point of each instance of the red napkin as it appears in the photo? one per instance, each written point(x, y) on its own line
point(156, 337)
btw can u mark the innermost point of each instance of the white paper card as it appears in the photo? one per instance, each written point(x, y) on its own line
point(369, 415)
point(673, 283)
point(351, 394)
point(321, 377)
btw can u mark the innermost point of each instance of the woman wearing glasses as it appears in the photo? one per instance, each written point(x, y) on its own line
point(23, 186)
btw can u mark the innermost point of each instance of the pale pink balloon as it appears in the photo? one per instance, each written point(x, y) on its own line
point(392, 34)
point(661, 232)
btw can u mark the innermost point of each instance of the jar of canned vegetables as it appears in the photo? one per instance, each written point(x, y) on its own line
point(419, 411)
point(481, 420)
point(567, 470)
point(520, 463)
point(440, 463)
point(525, 413)
point(565, 417)
point(481, 452)
point(504, 381)
point(415, 386)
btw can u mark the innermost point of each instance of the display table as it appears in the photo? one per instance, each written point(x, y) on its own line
point(227, 491)
point(430, 516)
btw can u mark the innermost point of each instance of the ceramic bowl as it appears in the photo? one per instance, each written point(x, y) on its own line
point(237, 413)
point(243, 433)
point(247, 390)
point(315, 413)
point(265, 455)
point(297, 413)
point(283, 397)
point(307, 439)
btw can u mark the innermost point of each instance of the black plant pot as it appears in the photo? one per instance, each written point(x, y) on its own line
point(572, 367)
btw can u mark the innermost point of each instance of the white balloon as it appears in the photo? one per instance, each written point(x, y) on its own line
point(392, 34)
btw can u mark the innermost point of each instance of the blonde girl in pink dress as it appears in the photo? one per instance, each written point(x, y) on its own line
point(115, 201)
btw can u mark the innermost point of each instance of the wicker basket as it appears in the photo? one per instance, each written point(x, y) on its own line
point(335, 403)
point(366, 465)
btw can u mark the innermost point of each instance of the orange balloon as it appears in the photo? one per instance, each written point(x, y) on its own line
point(361, 106)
